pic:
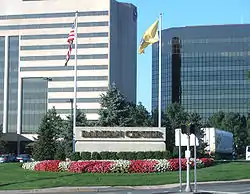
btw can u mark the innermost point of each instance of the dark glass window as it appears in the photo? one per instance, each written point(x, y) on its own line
point(2, 46)
point(13, 55)
point(34, 103)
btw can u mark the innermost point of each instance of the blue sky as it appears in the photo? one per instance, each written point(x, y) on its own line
point(178, 13)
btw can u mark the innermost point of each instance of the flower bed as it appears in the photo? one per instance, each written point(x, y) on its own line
point(115, 166)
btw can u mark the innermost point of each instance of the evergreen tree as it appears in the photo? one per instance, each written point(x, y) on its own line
point(140, 115)
point(48, 134)
point(115, 110)
point(67, 134)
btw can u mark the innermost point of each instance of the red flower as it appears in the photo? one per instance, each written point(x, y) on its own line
point(48, 165)
point(136, 166)
point(207, 161)
point(91, 166)
point(142, 166)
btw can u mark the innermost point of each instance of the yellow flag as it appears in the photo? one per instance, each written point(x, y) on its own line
point(149, 37)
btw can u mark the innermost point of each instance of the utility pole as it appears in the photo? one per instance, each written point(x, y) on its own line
point(72, 110)
point(72, 118)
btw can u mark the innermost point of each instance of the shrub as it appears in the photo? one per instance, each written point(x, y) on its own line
point(166, 155)
point(112, 155)
point(157, 155)
point(121, 155)
point(108, 155)
point(149, 155)
point(96, 156)
point(75, 156)
point(131, 155)
point(140, 156)
point(86, 156)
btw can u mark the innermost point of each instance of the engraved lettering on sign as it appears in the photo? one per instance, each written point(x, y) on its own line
point(122, 134)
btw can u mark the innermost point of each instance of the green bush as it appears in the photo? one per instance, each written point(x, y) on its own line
point(96, 156)
point(121, 155)
point(86, 156)
point(104, 155)
point(131, 155)
point(167, 155)
point(149, 155)
point(113, 155)
point(140, 156)
point(75, 156)
point(158, 155)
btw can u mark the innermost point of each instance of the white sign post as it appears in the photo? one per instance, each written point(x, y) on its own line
point(187, 156)
point(180, 178)
point(195, 181)
point(186, 140)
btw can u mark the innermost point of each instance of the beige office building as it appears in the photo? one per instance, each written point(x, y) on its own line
point(33, 47)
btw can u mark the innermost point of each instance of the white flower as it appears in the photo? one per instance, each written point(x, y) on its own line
point(162, 165)
point(64, 166)
point(198, 161)
point(120, 166)
point(29, 165)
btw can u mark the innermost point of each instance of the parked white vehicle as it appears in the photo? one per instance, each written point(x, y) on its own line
point(248, 153)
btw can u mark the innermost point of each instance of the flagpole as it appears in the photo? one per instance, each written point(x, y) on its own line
point(159, 90)
point(75, 84)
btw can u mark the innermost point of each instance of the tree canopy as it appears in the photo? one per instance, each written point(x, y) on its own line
point(117, 111)
point(48, 133)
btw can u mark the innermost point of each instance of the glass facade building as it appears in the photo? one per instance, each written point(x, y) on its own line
point(204, 68)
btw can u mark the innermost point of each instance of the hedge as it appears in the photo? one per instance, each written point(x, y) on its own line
point(121, 155)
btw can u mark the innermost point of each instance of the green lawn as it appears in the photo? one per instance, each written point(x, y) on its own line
point(14, 177)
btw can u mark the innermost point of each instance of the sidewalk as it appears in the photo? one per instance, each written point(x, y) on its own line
point(110, 188)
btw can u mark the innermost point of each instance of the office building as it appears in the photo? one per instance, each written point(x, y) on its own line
point(33, 42)
point(204, 68)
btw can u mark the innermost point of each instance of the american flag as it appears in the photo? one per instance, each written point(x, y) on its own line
point(70, 41)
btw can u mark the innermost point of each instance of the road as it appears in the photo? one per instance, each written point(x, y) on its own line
point(220, 188)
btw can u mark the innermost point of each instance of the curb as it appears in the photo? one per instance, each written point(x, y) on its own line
point(111, 188)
